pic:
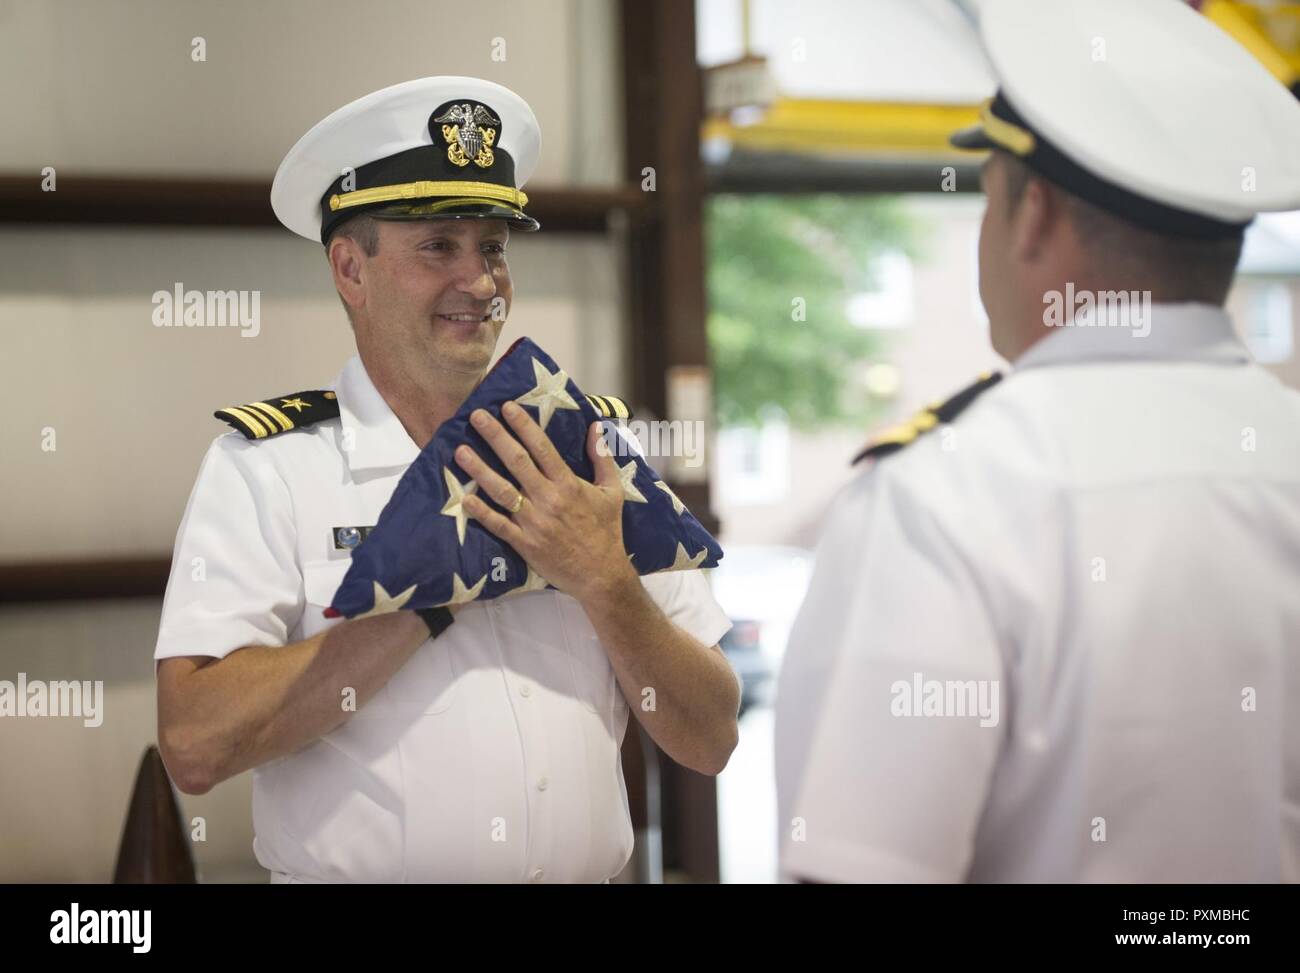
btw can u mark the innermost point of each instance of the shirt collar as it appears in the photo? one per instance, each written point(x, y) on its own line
point(1164, 332)
point(374, 437)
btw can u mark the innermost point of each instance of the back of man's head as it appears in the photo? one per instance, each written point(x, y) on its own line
point(1118, 254)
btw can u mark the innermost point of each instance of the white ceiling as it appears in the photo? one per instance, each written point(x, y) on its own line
point(860, 50)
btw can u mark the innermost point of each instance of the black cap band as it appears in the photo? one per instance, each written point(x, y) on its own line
point(423, 164)
point(1044, 158)
point(463, 174)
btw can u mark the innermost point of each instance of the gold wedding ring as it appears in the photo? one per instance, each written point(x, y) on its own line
point(519, 502)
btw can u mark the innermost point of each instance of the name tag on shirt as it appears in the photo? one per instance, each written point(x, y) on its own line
point(348, 538)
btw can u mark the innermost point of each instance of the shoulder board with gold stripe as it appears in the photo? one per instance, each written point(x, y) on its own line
point(935, 414)
point(270, 417)
point(610, 407)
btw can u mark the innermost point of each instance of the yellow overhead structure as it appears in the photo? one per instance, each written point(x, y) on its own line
point(822, 127)
point(746, 110)
point(1271, 32)
point(749, 110)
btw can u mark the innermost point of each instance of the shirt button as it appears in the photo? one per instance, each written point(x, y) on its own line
point(525, 689)
point(537, 875)
point(543, 784)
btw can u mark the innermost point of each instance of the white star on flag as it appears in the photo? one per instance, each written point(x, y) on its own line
point(385, 603)
point(460, 594)
point(630, 492)
point(684, 563)
point(549, 393)
point(535, 582)
point(678, 506)
point(454, 505)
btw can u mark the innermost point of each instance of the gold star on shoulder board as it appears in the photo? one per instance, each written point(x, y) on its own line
point(454, 507)
point(297, 404)
point(685, 563)
point(549, 394)
point(678, 506)
point(461, 595)
point(626, 474)
point(385, 603)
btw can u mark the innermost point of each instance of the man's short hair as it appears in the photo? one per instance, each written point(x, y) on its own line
point(1173, 268)
point(363, 230)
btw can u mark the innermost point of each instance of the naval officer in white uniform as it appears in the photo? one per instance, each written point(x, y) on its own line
point(480, 749)
point(1053, 633)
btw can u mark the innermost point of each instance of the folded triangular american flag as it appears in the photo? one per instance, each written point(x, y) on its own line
point(425, 552)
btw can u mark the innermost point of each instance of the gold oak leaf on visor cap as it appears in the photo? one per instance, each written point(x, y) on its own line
point(1144, 108)
point(433, 148)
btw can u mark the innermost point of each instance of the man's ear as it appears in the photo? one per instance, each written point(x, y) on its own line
point(347, 264)
point(1037, 216)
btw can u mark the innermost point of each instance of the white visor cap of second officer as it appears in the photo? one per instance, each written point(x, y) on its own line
point(1144, 108)
point(433, 148)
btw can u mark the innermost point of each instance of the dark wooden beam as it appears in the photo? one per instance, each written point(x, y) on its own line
point(663, 97)
point(667, 310)
point(663, 110)
point(42, 581)
point(102, 200)
point(753, 172)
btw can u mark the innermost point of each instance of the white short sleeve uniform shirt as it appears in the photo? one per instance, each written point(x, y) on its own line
point(493, 755)
point(1059, 640)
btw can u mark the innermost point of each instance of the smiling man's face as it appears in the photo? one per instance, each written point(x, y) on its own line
point(436, 294)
